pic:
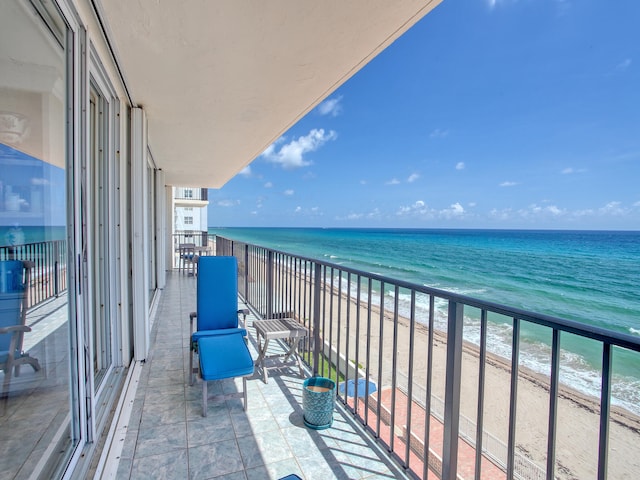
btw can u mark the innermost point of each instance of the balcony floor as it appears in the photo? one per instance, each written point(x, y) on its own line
point(167, 437)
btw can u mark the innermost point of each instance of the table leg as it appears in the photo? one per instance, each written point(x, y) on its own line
point(262, 352)
point(293, 351)
point(264, 368)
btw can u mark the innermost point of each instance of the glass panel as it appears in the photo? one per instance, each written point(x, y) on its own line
point(38, 419)
point(151, 219)
point(101, 338)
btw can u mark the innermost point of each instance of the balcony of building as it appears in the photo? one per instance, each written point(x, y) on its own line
point(413, 365)
point(190, 197)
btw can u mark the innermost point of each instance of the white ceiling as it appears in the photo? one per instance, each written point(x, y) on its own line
point(221, 80)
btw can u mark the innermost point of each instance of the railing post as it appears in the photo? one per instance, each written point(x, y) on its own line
point(317, 280)
point(269, 284)
point(605, 409)
point(56, 287)
point(452, 391)
point(246, 272)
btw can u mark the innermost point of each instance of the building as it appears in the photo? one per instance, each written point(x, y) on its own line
point(105, 106)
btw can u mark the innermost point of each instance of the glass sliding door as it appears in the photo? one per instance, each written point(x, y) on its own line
point(100, 225)
point(40, 412)
point(99, 195)
point(151, 225)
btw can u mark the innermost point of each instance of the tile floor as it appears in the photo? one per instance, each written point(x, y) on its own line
point(167, 437)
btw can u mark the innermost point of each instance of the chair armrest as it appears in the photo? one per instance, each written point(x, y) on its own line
point(244, 312)
point(192, 315)
point(14, 328)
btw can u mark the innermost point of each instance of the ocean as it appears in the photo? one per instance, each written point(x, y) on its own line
point(592, 277)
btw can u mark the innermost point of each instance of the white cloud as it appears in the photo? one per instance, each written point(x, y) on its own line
point(413, 177)
point(508, 184)
point(418, 208)
point(455, 210)
point(288, 192)
point(612, 208)
point(439, 133)
point(331, 107)
point(422, 211)
point(291, 155)
point(246, 171)
point(40, 181)
point(623, 65)
point(308, 212)
point(637, 204)
point(570, 170)
point(268, 185)
point(460, 166)
point(472, 204)
point(228, 203)
point(503, 214)
point(393, 181)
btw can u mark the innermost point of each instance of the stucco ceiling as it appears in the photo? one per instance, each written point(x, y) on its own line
point(221, 80)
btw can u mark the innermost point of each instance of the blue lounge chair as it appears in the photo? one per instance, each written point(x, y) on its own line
point(14, 283)
point(218, 339)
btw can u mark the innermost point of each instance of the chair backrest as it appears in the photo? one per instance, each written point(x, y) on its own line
point(217, 302)
point(14, 279)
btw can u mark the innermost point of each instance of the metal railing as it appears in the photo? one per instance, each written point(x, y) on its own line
point(48, 277)
point(190, 238)
point(358, 321)
point(185, 193)
point(199, 239)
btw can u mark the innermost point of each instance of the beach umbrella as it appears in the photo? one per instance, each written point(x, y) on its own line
point(350, 387)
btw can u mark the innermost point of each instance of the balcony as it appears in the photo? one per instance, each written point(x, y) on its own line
point(191, 197)
point(419, 365)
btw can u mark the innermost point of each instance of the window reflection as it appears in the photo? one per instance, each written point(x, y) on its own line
point(35, 410)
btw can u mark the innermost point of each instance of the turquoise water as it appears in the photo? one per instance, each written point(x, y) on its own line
point(592, 277)
point(20, 235)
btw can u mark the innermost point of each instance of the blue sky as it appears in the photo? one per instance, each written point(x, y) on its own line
point(486, 114)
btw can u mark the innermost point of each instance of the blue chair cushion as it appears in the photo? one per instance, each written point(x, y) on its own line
point(224, 356)
point(195, 336)
point(217, 293)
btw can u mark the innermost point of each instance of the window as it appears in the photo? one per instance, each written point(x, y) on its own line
point(41, 414)
point(188, 220)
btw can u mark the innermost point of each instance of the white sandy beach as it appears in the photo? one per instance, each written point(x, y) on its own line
point(578, 414)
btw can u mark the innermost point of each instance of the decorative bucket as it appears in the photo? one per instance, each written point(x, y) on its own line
point(318, 399)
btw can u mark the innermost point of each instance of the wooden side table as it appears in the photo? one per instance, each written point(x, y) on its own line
point(282, 328)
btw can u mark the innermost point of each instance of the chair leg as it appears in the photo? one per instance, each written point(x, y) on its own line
point(244, 392)
point(191, 366)
point(204, 397)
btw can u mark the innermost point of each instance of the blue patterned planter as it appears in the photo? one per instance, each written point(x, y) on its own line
point(318, 399)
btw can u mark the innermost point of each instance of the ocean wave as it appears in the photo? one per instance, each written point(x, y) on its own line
point(575, 371)
point(634, 331)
